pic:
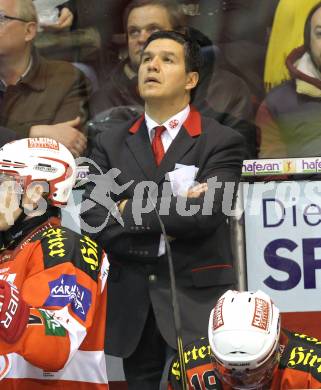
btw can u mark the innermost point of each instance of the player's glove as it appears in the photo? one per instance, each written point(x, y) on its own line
point(14, 313)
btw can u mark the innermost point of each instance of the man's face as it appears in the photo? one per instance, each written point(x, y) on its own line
point(14, 34)
point(162, 72)
point(316, 38)
point(14, 195)
point(142, 22)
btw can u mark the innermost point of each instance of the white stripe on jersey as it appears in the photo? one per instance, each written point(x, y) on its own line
point(85, 366)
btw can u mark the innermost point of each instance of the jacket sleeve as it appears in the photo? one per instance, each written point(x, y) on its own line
point(244, 127)
point(271, 142)
point(183, 216)
point(75, 101)
point(64, 297)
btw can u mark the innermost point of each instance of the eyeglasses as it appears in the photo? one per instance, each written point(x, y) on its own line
point(5, 18)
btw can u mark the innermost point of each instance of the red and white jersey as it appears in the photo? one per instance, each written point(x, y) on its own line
point(299, 366)
point(62, 276)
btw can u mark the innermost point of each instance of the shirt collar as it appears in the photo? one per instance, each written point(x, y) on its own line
point(173, 124)
point(3, 84)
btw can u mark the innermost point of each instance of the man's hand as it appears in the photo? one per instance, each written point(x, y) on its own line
point(14, 313)
point(122, 205)
point(65, 20)
point(65, 132)
point(197, 191)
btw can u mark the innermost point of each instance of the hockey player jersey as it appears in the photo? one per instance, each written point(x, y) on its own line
point(61, 275)
point(299, 366)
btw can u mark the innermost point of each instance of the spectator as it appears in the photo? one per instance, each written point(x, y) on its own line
point(240, 29)
point(77, 35)
point(290, 116)
point(289, 20)
point(246, 349)
point(52, 279)
point(169, 135)
point(34, 91)
point(64, 20)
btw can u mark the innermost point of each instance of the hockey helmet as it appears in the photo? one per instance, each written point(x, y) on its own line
point(244, 331)
point(31, 160)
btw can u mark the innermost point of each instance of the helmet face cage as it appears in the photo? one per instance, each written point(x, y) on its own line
point(243, 332)
point(249, 379)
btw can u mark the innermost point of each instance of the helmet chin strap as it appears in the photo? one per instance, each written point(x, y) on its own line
point(21, 217)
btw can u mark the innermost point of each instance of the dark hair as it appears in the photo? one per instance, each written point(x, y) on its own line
point(192, 51)
point(175, 13)
point(307, 27)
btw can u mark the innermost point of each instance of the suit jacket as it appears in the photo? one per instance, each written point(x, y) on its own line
point(200, 243)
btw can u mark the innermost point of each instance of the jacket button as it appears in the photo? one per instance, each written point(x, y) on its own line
point(152, 278)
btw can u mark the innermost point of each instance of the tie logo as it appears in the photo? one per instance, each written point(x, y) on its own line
point(173, 123)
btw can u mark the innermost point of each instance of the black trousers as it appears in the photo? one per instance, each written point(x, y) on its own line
point(144, 368)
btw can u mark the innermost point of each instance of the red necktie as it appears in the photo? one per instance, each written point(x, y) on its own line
point(157, 145)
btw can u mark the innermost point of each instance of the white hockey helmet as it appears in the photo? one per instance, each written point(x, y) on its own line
point(243, 332)
point(40, 160)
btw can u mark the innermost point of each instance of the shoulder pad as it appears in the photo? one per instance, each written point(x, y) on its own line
point(195, 354)
point(302, 353)
point(199, 367)
point(60, 245)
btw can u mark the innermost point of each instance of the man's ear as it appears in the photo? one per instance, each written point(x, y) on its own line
point(191, 80)
point(30, 31)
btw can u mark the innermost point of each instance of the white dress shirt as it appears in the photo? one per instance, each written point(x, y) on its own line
point(173, 126)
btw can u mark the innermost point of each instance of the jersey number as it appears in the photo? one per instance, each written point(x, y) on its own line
point(208, 378)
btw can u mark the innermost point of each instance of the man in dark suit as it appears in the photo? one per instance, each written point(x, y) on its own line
point(140, 325)
point(220, 93)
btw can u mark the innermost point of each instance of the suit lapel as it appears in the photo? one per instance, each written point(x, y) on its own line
point(184, 141)
point(140, 146)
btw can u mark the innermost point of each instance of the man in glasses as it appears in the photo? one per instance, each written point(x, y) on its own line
point(247, 349)
point(38, 97)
